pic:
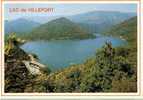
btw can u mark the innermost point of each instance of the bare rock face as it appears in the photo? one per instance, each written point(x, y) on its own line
point(33, 66)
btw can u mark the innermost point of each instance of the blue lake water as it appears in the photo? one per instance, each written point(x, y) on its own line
point(58, 54)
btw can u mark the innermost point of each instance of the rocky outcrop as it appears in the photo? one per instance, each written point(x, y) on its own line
point(20, 67)
point(33, 66)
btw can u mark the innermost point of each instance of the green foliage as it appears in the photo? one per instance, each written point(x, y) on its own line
point(17, 76)
point(124, 84)
point(67, 80)
point(111, 70)
point(126, 30)
point(38, 84)
point(61, 28)
point(99, 74)
point(102, 73)
point(107, 65)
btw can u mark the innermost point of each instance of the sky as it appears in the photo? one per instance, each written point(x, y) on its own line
point(65, 9)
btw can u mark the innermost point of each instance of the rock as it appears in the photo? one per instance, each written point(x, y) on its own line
point(33, 67)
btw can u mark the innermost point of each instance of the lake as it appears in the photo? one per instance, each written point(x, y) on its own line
point(59, 54)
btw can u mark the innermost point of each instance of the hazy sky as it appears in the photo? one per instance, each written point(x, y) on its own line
point(66, 9)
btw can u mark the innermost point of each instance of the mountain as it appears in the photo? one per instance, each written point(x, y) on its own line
point(20, 25)
point(126, 30)
point(110, 70)
point(61, 28)
point(54, 27)
point(42, 19)
point(94, 21)
point(99, 21)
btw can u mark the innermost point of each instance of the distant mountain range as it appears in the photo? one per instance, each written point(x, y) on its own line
point(20, 25)
point(82, 25)
point(99, 21)
point(95, 21)
point(42, 19)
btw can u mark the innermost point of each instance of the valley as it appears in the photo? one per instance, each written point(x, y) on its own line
point(76, 59)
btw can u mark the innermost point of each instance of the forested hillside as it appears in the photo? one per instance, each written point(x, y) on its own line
point(61, 28)
point(111, 69)
point(126, 30)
